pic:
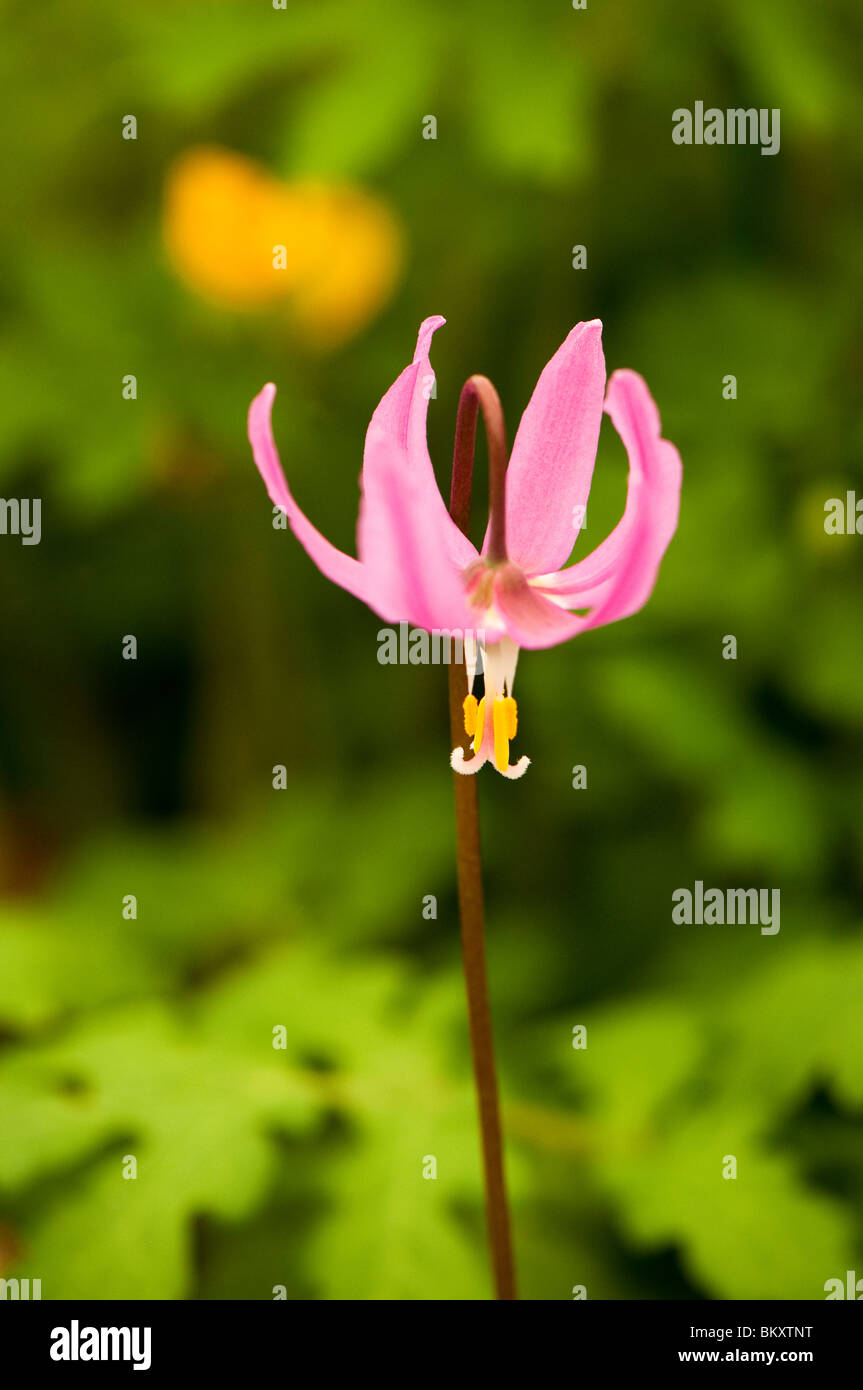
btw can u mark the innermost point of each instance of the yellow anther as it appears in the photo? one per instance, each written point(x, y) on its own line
point(480, 723)
point(502, 733)
point(470, 707)
point(512, 715)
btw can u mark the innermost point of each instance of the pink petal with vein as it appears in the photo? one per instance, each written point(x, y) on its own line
point(551, 465)
point(532, 620)
point(620, 574)
point(401, 545)
point(401, 416)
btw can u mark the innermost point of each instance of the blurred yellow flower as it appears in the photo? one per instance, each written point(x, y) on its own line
point(246, 241)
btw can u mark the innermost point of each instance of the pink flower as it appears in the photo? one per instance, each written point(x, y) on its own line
point(416, 566)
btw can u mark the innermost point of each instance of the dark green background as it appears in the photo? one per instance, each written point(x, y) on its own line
point(257, 908)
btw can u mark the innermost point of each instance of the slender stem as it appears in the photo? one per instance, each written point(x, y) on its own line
point(470, 899)
point(479, 391)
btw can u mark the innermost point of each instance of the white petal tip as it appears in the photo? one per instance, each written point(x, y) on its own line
point(468, 767)
point(517, 770)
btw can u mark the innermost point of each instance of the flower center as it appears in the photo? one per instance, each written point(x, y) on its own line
point(479, 584)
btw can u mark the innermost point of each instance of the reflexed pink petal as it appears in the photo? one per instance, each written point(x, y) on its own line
point(342, 569)
point(552, 460)
point(572, 595)
point(531, 620)
point(401, 545)
point(620, 574)
point(401, 416)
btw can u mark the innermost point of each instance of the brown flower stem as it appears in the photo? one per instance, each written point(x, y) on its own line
point(470, 899)
point(479, 391)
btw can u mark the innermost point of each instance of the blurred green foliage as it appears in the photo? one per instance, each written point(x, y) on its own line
point(302, 1167)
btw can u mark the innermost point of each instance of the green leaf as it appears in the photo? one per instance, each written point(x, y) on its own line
point(733, 1232)
point(197, 1120)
